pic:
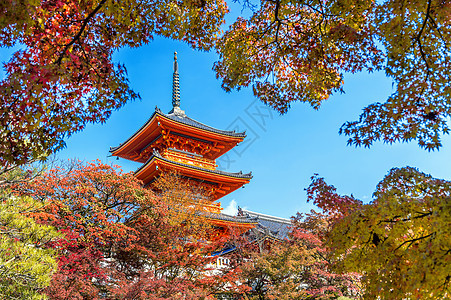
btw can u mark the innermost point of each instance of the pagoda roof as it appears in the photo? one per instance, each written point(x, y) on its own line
point(176, 122)
point(242, 224)
point(183, 118)
point(157, 155)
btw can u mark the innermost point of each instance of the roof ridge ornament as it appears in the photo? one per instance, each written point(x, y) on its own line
point(156, 153)
point(176, 90)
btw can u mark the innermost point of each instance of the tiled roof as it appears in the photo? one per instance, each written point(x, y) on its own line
point(269, 225)
point(182, 118)
point(158, 155)
point(235, 219)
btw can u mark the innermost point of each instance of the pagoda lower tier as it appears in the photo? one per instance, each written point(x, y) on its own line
point(217, 183)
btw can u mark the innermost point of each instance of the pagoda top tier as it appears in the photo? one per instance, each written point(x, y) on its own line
point(176, 130)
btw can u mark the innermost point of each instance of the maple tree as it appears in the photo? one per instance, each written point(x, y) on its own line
point(400, 242)
point(273, 274)
point(122, 241)
point(298, 268)
point(309, 231)
point(63, 76)
point(88, 204)
point(299, 51)
point(175, 246)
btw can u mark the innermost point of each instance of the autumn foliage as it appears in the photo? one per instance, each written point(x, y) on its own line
point(123, 241)
point(297, 50)
point(174, 247)
point(300, 267)
point(111, 238)
point(400, 242)
point(291, 51)
point(63, 77)
point(87, 203)
point(118, 240)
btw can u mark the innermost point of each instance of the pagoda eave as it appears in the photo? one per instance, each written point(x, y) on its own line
point(169, 129)
point(239, 228)
point(222, 183)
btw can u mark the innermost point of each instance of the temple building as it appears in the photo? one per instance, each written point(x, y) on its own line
point(175, 142)
point(268, 229)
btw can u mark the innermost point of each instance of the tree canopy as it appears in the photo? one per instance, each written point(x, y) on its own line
point(299, 267)
point(300, 51)
point(26, 260)
point(400, 242)
point(122, 241)
point(63, 75)
point(26, 263)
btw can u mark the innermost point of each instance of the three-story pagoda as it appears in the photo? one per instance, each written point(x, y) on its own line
point(175, 142)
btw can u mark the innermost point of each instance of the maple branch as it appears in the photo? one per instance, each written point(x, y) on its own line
point(320, 11)
point(421, 215)
point(322, 19)
point(32, 175)
point(89, 63)
point(80, 31)
point(276, 18)
point(423, 55)
point(428, 9)
point(248, 4)
point(414, 240)
point(435, 26)
point(418, 38)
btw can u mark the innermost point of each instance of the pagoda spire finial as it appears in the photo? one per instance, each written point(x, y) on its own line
point(176, 89)
point(176, 67)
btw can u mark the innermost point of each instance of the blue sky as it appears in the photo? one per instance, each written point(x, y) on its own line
point(282, 152)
